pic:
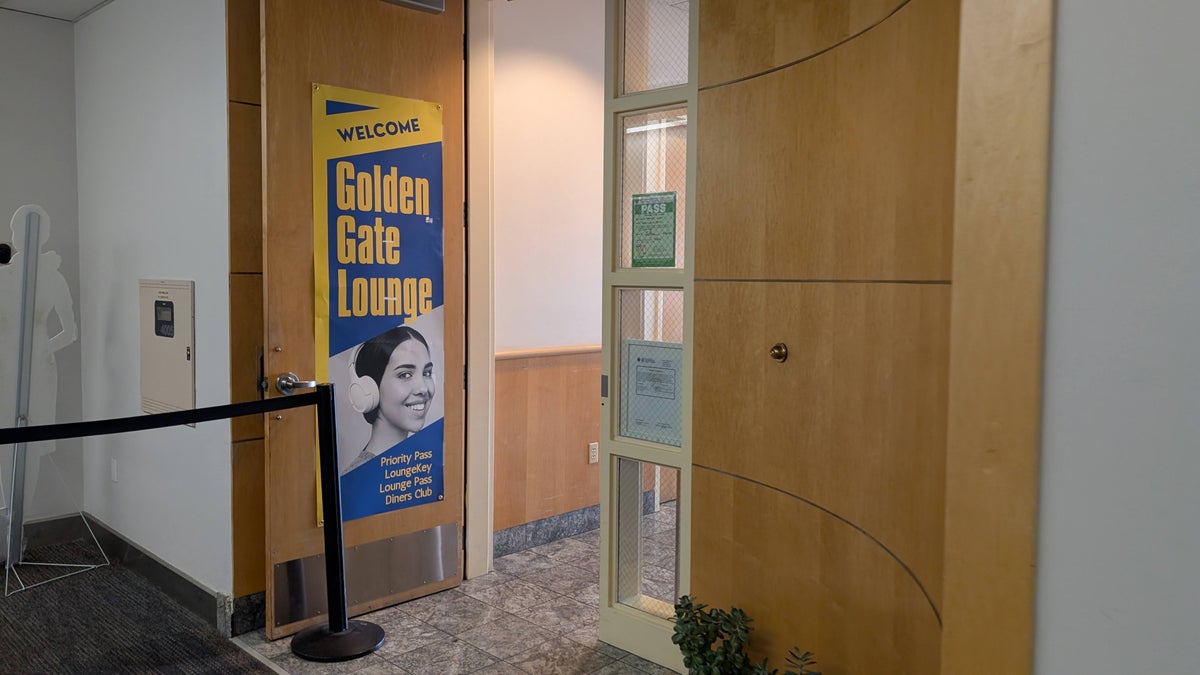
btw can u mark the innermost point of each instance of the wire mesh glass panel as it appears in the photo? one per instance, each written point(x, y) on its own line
point(653, 181)
point(655, 44)
point(647, 536)
point(651, 362)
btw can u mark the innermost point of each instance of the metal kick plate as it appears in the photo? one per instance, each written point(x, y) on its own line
point(435, 6)
point(375, 570)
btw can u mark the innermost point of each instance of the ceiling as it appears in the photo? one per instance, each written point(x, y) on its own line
point(67, 10)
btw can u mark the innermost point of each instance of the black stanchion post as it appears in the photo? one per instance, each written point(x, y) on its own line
point(341, 639)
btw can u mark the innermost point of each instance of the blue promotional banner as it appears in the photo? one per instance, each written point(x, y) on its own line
point(377, 242)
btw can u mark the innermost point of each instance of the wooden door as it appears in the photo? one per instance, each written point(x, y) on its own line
point(826, 225)
point(378, 47)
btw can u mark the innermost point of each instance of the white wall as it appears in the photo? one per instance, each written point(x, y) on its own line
point(549, 154)
point(37, 166)
point(153, 203)
point(1119, 545)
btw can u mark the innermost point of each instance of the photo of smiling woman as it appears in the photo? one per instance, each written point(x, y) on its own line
point(393, 388)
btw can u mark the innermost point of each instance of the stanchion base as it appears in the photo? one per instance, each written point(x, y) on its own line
point(319, 644)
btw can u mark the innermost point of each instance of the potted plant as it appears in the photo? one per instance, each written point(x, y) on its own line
point(713, 642)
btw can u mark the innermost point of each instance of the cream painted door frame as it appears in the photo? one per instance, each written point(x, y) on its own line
point(481, 352)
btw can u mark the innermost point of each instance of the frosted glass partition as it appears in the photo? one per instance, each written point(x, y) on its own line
point(44, 533)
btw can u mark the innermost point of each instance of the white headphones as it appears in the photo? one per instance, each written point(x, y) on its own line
point(364, 390)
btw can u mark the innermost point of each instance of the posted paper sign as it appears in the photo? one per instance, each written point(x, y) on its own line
point(654, 230)
point(377, 242)
point(650, 394)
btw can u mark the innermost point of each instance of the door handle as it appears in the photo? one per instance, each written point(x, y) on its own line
point(288, 383)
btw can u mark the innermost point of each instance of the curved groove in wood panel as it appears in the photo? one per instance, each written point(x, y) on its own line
point(892, 554)
point(849, 171)
point(809, 57)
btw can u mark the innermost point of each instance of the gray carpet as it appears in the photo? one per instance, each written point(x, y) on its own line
point(108, 620)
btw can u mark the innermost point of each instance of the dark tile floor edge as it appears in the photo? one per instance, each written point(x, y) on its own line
point(543, 531)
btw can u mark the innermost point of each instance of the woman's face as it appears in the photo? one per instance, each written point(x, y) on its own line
point(407, 387)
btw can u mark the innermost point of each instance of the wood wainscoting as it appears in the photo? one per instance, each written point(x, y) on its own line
point(547, 411)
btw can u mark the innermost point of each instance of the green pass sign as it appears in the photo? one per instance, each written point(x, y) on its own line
point(654, 230)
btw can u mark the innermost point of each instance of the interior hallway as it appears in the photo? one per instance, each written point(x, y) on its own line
point(536, 612)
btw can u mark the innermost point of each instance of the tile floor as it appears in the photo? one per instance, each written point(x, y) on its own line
point(536, 613)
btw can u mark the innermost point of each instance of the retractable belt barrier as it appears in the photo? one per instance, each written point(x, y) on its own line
point(340, 639)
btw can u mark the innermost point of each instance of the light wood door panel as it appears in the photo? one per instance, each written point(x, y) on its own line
point(245, 189)
point(854, 420)
point(740, 38)
point(245, 341)
point(249, 554)
point(384, 48)
point(840, 167)
point(243, 50)
point(808, 580)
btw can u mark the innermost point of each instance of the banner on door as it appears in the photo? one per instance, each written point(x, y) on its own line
point(377, 243)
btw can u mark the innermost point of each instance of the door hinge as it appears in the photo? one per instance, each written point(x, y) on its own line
point(466, 216)
point(464, 376)
point(262, 384)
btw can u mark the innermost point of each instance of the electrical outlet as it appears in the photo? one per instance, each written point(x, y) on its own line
point(114, 469)
point(593, 453)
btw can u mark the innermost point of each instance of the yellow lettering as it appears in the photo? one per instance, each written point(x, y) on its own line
point(393, 297)
point(423, 196)
point(366, 252)
point(364, 191)
point(360, 297)
point(406, 195)
point(345, 193)
point(410, 298)
point(341, 285)
point(345, 249)
point(389, 192)
point(426, 296)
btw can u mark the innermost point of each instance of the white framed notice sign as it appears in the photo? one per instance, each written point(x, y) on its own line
point(650, 391)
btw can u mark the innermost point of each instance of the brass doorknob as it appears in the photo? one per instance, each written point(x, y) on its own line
point(779, 352)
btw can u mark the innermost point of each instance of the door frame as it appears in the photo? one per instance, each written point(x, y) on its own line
point(481, 351)
point(1005, 55)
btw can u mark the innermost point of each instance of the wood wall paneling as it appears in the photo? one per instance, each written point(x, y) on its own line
point(245, 343)
point(854, 420)
point(242, 48)
point(841, 167)
point(547, 411)
point(385, 48)
point(823, 478)
point(245, 292)
point(996, 336)
point(249, 520)
point(245, 189)
point(808, 580)
point(739, 38)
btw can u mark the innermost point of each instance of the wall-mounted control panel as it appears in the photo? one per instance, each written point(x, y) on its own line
point(168, 344)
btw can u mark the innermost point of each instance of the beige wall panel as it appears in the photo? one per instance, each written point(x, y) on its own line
point(249, 520)
point(996, 336)
point(547, 411)
point(853, 421)
point(740, 38)
point(245, 343)
point(243, 50)
point(808, 580)
point(840, 167)
point(245, 189)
